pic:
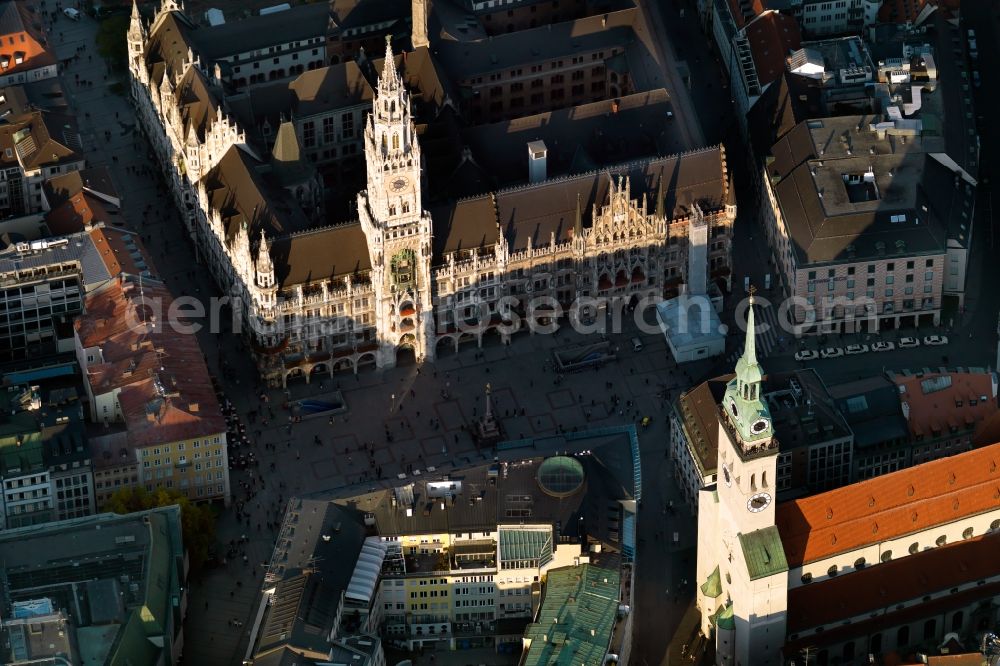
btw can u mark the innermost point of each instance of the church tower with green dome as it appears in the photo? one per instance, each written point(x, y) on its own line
point(743, 604)
point(746, 409)
point(748, 451)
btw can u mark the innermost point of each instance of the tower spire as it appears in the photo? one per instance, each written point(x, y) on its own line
point(750, 345)
point(389, 75)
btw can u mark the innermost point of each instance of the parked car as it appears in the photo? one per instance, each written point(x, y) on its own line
point(856, 349)
point(806, 355)
point(882, 346)
point(906, 343)
point(936, 340)
point(831, 352)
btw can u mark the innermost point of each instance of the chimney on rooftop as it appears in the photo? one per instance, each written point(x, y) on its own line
point(537, 158)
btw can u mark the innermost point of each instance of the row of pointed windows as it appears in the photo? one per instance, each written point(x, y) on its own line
point(395, 142)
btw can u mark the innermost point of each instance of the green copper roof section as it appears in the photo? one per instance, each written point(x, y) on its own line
point(526, 544)
point(724, 619)
point(576, 618)
point(713, 586)
point(132, 645)
point(763, 552)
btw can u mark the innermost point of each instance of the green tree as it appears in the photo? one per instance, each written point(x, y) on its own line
point(111, 42)
point(197, 520)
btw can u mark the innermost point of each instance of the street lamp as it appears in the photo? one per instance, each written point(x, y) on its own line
point(392, 407)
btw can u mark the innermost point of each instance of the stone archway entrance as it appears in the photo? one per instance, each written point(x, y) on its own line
point(405, 351)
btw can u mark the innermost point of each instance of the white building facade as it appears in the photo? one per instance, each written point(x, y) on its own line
point(403, 282)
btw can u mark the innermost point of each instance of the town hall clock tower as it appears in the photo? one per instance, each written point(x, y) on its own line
point(397, 228)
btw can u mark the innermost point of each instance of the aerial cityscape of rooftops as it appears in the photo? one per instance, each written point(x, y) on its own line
point(499, 332)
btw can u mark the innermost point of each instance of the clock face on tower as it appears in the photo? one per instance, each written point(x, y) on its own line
point(399, 183)
point(758, 502)
point(759, 426)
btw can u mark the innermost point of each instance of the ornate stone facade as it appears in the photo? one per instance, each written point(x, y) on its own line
point(315, 299)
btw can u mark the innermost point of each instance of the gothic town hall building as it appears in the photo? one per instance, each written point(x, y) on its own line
point(403, 279)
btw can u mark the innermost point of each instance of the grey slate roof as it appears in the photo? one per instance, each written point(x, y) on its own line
point(607, 132)
point(825, 220)
point(871, 408)
point(465, 59)
point(299, 23)
point(80, 248)
point(362, 13)
point(312, 574)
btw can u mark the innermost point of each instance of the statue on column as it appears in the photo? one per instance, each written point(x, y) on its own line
point(488, 429)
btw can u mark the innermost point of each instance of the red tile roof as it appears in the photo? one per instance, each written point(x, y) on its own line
point(882, 585)
point(166, 394)
point(772, 35)
point(755, 7)
point(118, 254)
point(938, 401)
point(890, 506)
point(22, 38)
point(891, 618)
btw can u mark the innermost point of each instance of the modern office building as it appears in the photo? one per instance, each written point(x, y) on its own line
point(105, 589)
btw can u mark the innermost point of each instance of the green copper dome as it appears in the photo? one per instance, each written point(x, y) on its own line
point(560, 476)
point(743, 401)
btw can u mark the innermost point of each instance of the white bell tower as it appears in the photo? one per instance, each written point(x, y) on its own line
point(742, 571)
point(398, 230)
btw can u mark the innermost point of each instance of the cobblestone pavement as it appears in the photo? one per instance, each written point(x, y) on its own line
point(527, 399)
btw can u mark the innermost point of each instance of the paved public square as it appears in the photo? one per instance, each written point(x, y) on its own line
point(526, 396)
point(427, 410)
